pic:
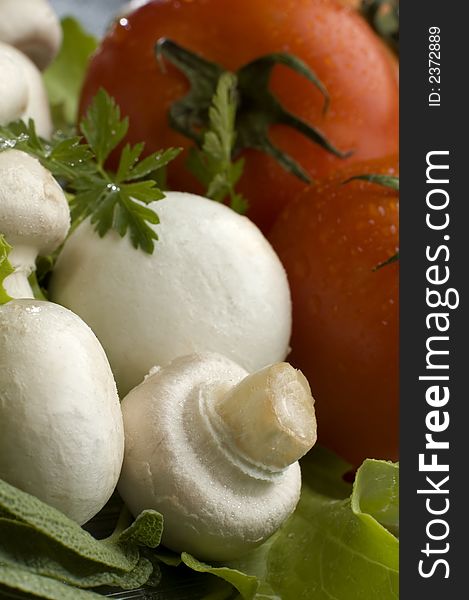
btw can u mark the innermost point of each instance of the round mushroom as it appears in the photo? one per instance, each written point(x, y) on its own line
point(13, 90)
point(23, 94)
point(61, 431)
point(213, 283)
point(215, 450)
point(34, 216)
point(32, 27)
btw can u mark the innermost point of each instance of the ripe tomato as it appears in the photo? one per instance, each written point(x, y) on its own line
point(332, 39)
point(345, 314)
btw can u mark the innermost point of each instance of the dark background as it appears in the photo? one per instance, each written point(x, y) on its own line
point(424, 129)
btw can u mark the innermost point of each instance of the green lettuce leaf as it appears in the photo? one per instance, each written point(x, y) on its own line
point(336, 546)
point(246, 585)
point(376, 493)
point(65, 75)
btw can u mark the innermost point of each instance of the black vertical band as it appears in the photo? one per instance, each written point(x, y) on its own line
point(434, 290)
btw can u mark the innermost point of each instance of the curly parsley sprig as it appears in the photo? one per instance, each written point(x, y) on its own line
point(213, 165)
point(117, 201)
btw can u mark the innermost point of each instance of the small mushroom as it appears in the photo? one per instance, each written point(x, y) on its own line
point(14, 91)
point(32, 27)
point(34, 216)
point(213, 283)
point(61, 431)
point(215, 450)
point(23, 94)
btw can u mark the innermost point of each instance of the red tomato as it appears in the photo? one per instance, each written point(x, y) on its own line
point(345, 314)
point(332, 39)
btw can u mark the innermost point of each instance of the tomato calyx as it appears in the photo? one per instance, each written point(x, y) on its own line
point(388, 181)
point(258, 108)
point(384, 180)
point(394, 258)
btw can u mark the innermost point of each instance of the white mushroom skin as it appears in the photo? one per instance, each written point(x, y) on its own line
point(14, 92)
point(34, 216)
point(61, 431)
point(215, 451)
point(23, 93)
point(32, 27)
point(213, 283)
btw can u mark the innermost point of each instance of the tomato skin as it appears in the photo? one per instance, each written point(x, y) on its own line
point(332, 39)
point(345, 315)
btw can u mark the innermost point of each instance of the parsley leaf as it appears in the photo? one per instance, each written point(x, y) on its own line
point(5, 268)
point(212, 165)
point(112, 200)
point(103, 127)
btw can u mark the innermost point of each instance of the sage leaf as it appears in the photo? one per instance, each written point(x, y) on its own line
point(58, 528)
point(146, 530)
point(23, 547)
point(18, 581)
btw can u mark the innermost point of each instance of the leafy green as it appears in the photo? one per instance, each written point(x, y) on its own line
point(5, 268)
point(245, 584)
point(338, 544)
point(65, 75)
point(115, 201)
point(331, 547)
point(213, 165)
point(376, 493)
point(41, 541)
point(18, 581)
point(22, 546)
point(146, 530)
point(58, 528)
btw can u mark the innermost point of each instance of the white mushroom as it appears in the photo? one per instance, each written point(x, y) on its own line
point(215, 450)
point(14, 91)
point(213, 283)
point(23, 94)
point(32, 27)
point(61, 432)
point(34, 216)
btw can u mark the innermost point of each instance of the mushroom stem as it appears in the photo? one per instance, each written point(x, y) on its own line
point(269, 417)
point(34, 216)
point(23, 260)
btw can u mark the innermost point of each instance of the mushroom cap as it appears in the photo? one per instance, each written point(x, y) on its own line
point(32, 27)
point(213, 283)
point(212, 507)
point(61, 431)
point(13, 90)
point(22, 74)
point(33, 208)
